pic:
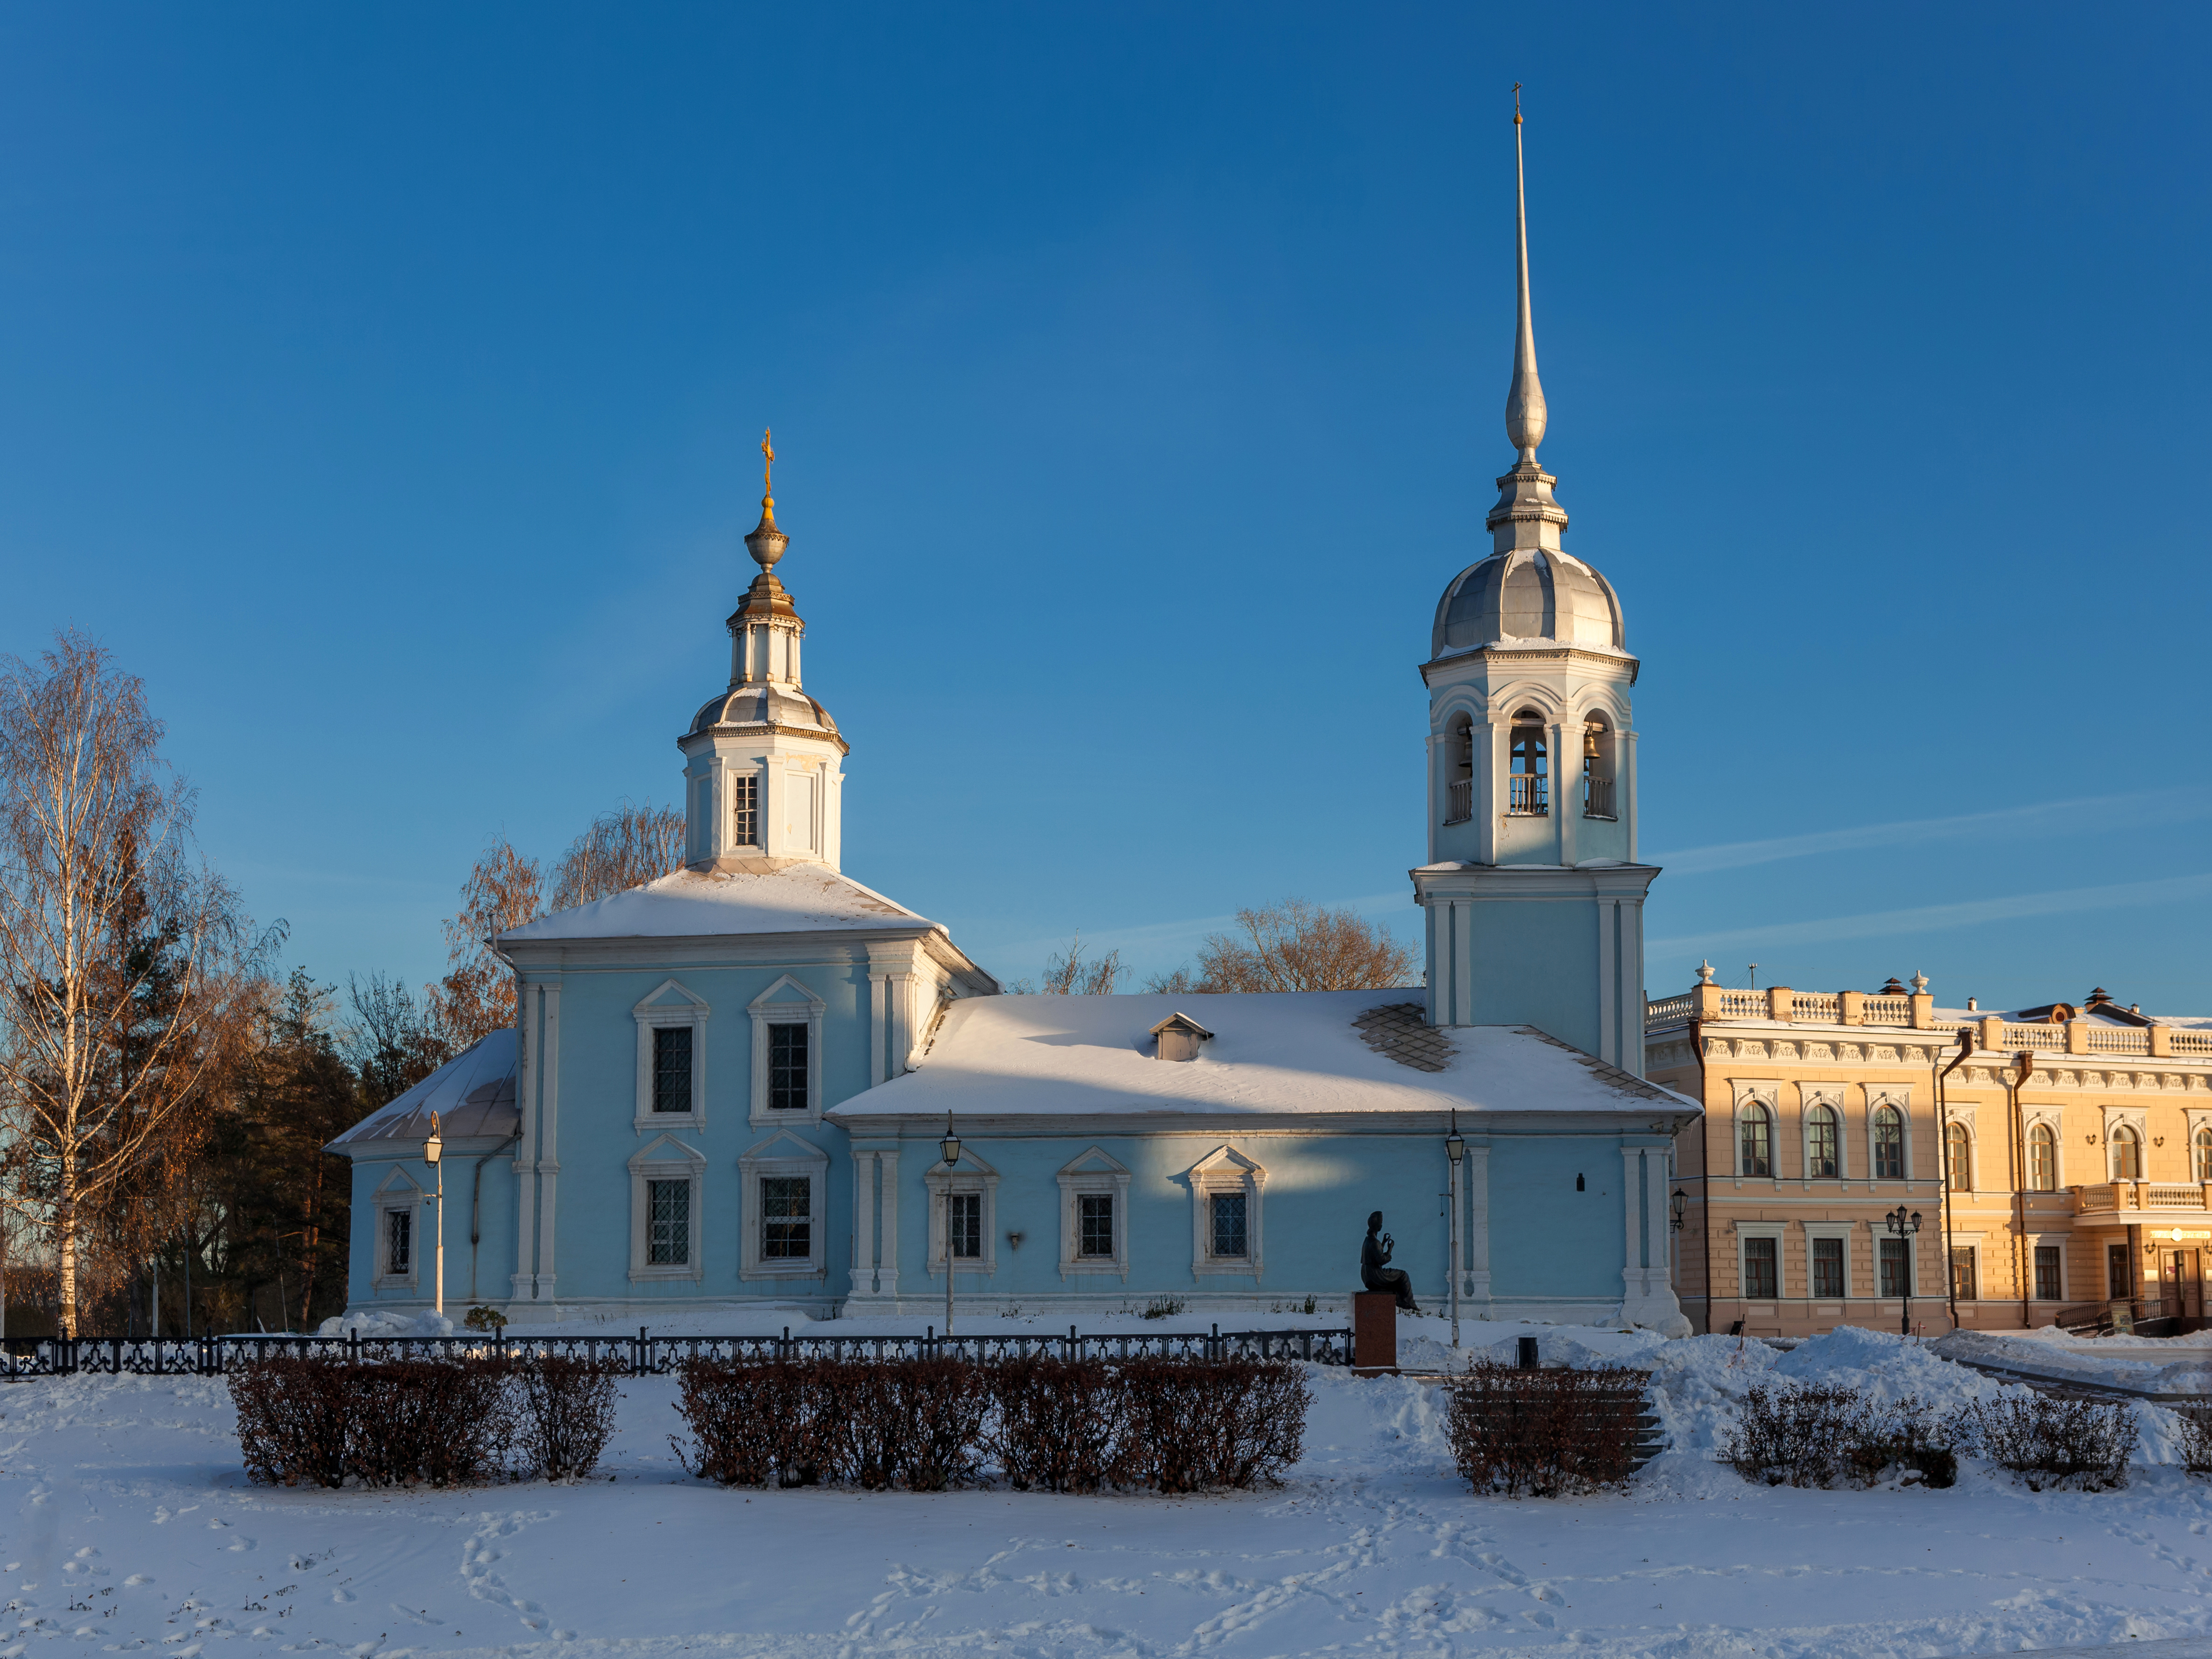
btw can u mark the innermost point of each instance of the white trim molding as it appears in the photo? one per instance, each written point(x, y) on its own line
point(1845, 1230)
point(666, 1159)
point(782, 1155)
point(1225, 1170)
point(2137, 1119)
point(397, 1192)
point(1767, 1098)
point(671, 1006)
point(787, 1002)
point(971, 1175)
point(1811, 1098)
point(1093, 1171)
point(2053, 1119)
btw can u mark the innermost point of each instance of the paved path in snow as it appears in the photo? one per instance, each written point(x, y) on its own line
point(128, 1527)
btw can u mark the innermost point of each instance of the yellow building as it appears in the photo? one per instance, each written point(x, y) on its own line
point(2078, 1143)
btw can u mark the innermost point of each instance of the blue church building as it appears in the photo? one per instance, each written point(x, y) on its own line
point(727, 1088)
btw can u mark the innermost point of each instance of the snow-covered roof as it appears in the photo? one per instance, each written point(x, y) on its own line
point(796, 898)
point(1272, 1052)
point(472, 1093)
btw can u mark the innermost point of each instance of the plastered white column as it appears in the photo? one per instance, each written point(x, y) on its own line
point(525, 1150)
point(1477, 1177)
point(863, 1223)
point(887, 1280)
point(548, 1157)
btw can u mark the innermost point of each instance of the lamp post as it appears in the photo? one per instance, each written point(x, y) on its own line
point(433, 1154)
point(950, 1146)
point(1456, 1149)
point(1903, 1226)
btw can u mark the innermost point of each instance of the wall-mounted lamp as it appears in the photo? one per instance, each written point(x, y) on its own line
point(1679, 1206)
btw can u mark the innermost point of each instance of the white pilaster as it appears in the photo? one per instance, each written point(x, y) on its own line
point(528, 1039)
point(548, 1157)
point(863, 1223)
point(1477, 1177)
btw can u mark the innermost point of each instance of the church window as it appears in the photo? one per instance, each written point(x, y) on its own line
point(1531, 768)
point(1957, 1166)
point(1095, 1224)
point(672, 1068)
point(2127, 1155)
point(786, 1068)
point(399, 1242)
point(1597, 770)
point(963, 1219)
point(1896, 1265)
point(1888, 1144)
point(1756, 1137)
point(786, 1207)
point(1459, 785)
point(1759, 1277)
point(1828, 1268)
point(1229, 1213)
point(744, 813)
point(668, 1223)
point(2042, 1159)
point(1821, 1144)
point(2204, 1154)
point(2047, 1276)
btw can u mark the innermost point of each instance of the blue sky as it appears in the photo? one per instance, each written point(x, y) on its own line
point(382, 383)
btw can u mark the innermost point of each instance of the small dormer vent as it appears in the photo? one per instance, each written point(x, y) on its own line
point(1178, 1036)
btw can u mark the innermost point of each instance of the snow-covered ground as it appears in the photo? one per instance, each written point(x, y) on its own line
point(2154, 1365)
point(125, 1524)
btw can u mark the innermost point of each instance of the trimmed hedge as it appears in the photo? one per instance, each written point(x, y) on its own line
point(1545, 1433)
point(1054, 1425)
point(441, 1422)
point(1823, 1435)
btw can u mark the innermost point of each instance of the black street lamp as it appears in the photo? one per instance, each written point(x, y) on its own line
point(1903, 1226)
point(950, 1146)
point(1678, 1206)
point(1455, 1150)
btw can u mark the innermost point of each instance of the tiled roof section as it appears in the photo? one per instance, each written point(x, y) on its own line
point(1628, 1082)
point(1401, 1031)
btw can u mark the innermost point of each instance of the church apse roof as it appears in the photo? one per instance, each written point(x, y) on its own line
point(1272, 1053)
point(798, 898)
point(472, 1093)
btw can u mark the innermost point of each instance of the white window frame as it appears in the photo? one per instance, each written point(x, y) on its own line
point(2060, 1241)
point(1777, 1231)
point(1912, 1243)
point(671, 1004)
point(666, 1158)
point(1958, 1240)
point(2047, 1117)
point(1877, 1097)
point(971, 1175)
point(787, 1002)
point(1093, 1171)
point(397, 1191)
point(786, 1155)
point(1811, 1096)
point(1964, 1126)
point(1225, 1170)
point(2135, 1118)
point(1845, 1230)
point(1744, 1107)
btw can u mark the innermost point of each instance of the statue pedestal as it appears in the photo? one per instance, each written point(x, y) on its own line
point(1374, 1334)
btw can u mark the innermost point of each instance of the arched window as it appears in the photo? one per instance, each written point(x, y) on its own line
point(1597, 769)
point(1531, 767)
point(2204, 1154)
point(1459, 776)
point(2043, 1159)
point(1820, 1138)
point(2127, 1155)
point(1889, 1145)
point(1956, 1166)
point(1755, 1135)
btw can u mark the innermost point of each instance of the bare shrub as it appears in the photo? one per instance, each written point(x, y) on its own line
point(1057, 1424)
point(1826, 1435)
point(2052, 1441)
point(1189, 1425)
point(566, 1413)
point(1545, 1433)
point(731, 1408)
point(293, 1418)
point(446, 1422)
point(942, 1403)
point(2196, 1424)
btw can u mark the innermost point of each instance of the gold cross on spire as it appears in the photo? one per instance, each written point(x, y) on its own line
point(767, 461)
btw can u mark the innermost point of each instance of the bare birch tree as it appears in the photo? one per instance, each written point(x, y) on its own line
point(623, 849)
point(121, 954)
point(477, 996)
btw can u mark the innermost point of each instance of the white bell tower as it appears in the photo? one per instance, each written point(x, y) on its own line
point(762, 774)
point(1533, 897)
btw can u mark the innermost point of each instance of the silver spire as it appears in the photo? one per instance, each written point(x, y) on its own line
point(1524, 399)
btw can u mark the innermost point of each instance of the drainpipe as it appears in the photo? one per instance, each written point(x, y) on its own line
point(1705, 1174)
point(2023, 1064)
point(476, 1198)
point(1943, 1162)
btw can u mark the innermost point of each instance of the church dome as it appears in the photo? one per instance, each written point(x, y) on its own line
point(764, 703)
point(1528, 593)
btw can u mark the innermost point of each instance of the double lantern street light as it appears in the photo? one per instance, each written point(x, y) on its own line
point(950, 1146)
point(434, 1154)
point(1904, 1227)
point(1456, 1149)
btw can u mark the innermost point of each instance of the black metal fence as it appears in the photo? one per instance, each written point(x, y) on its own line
point(646, 1355)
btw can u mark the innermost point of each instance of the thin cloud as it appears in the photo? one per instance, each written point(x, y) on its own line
point(2057, 817)
point(1937, 918)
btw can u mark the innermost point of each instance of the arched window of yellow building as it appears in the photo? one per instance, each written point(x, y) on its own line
point(2127, 1155)
point(2043, 1159)
point(1755, 1135)
point(1957, 1168)
point(1889, 1145)
point(1821, 1144)
point(2204, 1154)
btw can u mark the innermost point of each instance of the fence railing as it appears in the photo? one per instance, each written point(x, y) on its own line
point(1459, 801)
point(1744, 1005)
point(645, 1355)
point(2051, 1038)
point(1527, 797)
point(2184, 1041)
point(1597, 798)
point(2116, 1040)
point(1816, 1007)
point(1886, 1010)
point(1668, 1011)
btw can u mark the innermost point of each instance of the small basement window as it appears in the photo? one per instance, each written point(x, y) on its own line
point(1178, 1036)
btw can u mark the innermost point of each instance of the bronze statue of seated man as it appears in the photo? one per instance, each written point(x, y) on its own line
point(1375, 1272)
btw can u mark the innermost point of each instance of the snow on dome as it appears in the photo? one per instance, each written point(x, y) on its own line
point(1528, 593)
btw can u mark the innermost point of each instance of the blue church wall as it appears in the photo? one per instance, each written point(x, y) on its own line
point(1535, 963)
